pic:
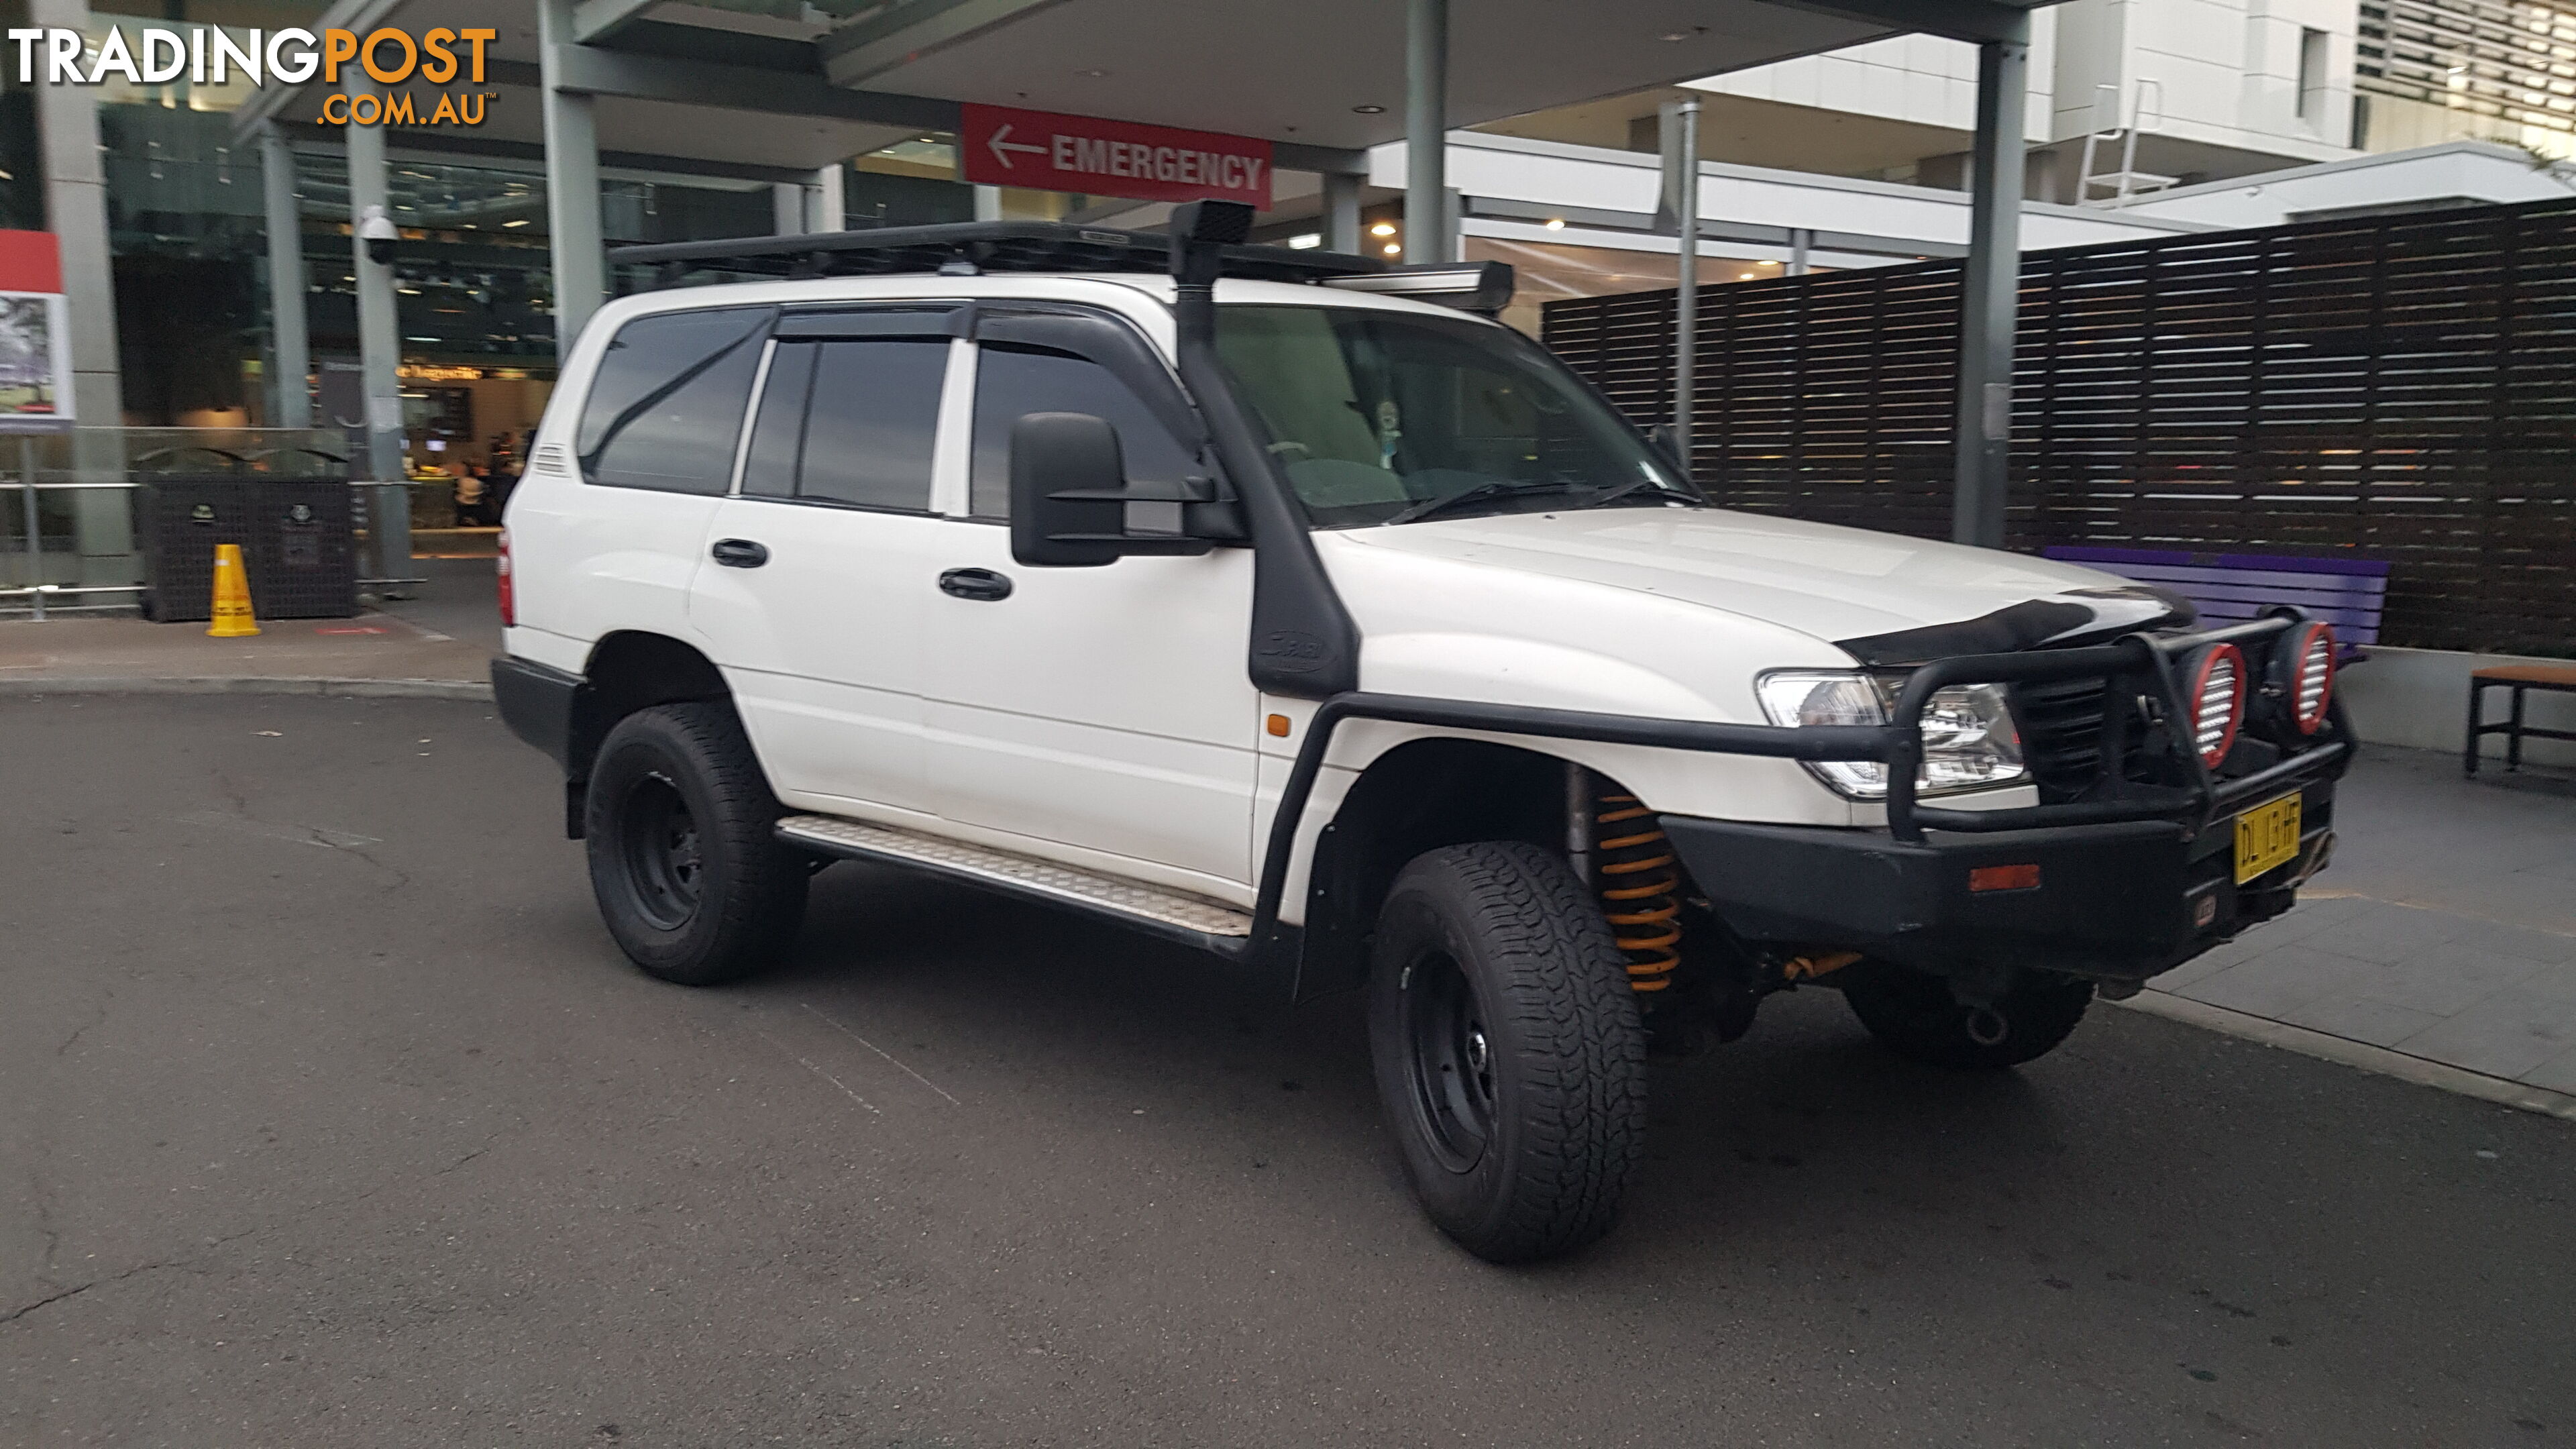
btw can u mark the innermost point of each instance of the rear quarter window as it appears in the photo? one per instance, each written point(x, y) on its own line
point(666, 404)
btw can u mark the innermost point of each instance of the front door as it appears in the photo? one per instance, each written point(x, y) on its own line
point(1091, 709)
point(812, 593)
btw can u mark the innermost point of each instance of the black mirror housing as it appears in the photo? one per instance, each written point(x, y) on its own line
point(1069, 497)
point(1068, 490)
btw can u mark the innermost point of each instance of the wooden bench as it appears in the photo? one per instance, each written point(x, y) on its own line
point(2521, 679)
point(2228, 588)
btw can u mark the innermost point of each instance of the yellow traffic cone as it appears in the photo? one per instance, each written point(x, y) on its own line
point(232, 596)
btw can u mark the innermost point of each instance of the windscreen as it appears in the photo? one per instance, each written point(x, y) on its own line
point(1383, 417)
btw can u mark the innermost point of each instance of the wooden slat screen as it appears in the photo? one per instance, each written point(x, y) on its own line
point(2400, 389)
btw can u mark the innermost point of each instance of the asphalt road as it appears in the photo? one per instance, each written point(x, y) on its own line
point(332, 1118)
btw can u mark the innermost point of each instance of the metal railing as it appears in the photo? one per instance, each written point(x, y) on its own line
point(96, 471)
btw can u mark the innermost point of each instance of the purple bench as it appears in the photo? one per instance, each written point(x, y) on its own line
point(2227, 587)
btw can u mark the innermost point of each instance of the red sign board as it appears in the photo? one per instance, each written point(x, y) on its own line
point(1000, 146)
point(30, 262)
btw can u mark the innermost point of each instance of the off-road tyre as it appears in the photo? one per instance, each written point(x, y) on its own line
point(679, 822)
point(1520, 1148)
point(1913, 1014)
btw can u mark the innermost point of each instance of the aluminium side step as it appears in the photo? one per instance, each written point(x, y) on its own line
point(1174, 915)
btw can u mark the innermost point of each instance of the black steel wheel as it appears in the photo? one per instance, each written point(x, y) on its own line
point(1915, 1015)
point(1449, 1061)
point(690, 878)
point(659, 841)
point(1510, 1056)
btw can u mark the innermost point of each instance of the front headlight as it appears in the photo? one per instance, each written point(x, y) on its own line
point(1969, 740)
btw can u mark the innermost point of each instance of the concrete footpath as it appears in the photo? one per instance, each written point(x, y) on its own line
point(2440, 948)
point(438, 643)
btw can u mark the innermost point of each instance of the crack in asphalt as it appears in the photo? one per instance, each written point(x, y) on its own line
point(13, 1315)
point(45, 1222)
point(83, 1029)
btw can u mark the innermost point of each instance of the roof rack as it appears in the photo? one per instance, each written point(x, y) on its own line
point(969, 247)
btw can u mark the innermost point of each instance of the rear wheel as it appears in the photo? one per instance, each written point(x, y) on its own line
point(1915, 1015)
point(690, 879)
point(1509, 1051)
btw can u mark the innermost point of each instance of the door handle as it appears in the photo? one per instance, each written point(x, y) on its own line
point(739, 553)
point(981, 585)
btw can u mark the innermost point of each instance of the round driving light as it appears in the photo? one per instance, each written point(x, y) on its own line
point(2217, 698)
point(2312, 672)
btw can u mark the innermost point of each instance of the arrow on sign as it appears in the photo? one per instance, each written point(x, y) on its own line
point(1002, 148)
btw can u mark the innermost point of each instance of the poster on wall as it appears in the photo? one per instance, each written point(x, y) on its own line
point(35, 335)
point(35, 363)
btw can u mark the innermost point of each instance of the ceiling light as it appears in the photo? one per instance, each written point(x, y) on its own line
point(522, 221)
point(1383, 228)
point(1394, 250)
point(1370, 110)
point(1307, 240)
point(1744, 276)
point(1556, 223)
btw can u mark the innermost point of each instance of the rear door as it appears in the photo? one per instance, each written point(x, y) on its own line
point(653, 450)
point(819, 569)
point(1101, 709)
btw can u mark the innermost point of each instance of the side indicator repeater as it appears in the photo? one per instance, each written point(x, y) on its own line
point(1986, 878)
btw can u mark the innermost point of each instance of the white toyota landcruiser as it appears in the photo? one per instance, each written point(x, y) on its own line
point(1242, 596)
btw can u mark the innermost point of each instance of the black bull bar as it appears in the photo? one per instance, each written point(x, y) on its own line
point(2141, 660)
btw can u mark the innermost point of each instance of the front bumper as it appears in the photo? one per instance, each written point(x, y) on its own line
point(2116, 902)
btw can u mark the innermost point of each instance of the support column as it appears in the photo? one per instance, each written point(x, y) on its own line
point(379, 343)
point(830, 204)
point(1341, 212)
point(988, 203)
point(1428, 234)
point(1802, 240)
point(76, 211)
point(1684, 184)
point(292, 406)
point(572, 183)
point(786, 209)
point(1991, 295)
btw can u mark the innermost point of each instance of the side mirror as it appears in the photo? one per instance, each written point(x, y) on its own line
point(1069, 497)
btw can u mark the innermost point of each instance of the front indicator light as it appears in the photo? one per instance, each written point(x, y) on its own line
point(2004, 878)
point(1969, 739)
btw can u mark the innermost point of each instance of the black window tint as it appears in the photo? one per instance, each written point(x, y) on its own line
point(1011, 382)
point(769, 467)
point(666, 405)
point(872, 421)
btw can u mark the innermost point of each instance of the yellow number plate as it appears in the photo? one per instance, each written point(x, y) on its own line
point(2267, 837)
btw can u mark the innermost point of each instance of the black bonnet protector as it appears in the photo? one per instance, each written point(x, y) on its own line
point(2074, 616)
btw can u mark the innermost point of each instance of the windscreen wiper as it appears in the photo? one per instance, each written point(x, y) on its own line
point(1632, 485)
point(1478, 494)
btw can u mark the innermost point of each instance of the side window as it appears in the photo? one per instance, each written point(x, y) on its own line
point(666, 405)
point(778, 434)
point(849, 421)
point(874, 417)
point(1011, 382)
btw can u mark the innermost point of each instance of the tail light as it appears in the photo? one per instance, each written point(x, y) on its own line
point(2305, 668)
point(2217, 699)
point(509, 596)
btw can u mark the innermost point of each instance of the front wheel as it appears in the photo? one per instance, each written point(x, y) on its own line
point(1509, 1051)
point(1914, 1014)
point(690, 879)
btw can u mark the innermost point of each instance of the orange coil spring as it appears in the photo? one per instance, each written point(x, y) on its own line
point(1638, 884)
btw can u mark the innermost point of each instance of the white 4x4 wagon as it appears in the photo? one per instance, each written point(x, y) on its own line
point(1270, 608)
